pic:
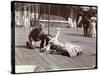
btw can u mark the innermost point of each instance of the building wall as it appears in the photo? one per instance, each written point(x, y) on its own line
point(27, 13)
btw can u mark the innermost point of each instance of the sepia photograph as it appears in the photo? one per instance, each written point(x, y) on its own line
point(49, 37)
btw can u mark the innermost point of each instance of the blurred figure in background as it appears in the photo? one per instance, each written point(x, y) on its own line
point(85, 21)
point(93, 26)
point(85, 18)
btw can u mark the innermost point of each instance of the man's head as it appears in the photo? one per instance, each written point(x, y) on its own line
point(41, 25)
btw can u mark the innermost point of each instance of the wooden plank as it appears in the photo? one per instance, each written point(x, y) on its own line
point(29, 59)
point(53, 59)
point(67, 61)
point(17, 55)
point(32, 59)
point(48, 65)
point(23, 58)
point(53, 62)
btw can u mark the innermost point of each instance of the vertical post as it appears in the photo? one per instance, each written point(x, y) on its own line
point(71, 17)
point(44, 13)
point(59, 11)
point(38, 11)
point(35, 15)
point(32, 11)
point(77, 19)
point(48, 18)
point(30, 15)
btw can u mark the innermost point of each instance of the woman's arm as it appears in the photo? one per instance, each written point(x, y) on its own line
point(58, 33)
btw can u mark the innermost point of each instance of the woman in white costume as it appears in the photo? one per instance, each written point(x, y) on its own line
point(68, 48)
point(93, 26)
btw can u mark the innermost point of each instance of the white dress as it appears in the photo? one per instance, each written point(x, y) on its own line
point(72, 49)
point(93, 27)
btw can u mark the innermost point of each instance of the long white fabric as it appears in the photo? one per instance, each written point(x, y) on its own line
point(72, 49)
point(93, 26)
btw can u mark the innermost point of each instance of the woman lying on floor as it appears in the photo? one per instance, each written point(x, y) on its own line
point(64, 48)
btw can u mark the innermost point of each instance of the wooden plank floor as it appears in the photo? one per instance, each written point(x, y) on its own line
point(51, 62)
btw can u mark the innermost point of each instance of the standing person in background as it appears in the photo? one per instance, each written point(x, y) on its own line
point(85, 22)
point(93, 26)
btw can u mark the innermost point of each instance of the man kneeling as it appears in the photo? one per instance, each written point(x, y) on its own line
point(37, 34)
